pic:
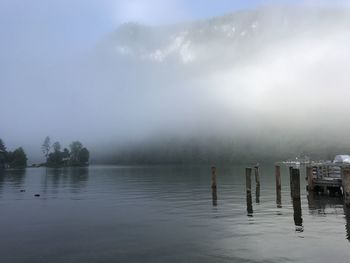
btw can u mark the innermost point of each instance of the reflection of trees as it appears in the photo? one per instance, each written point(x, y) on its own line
point(2, 179)
point(75, 178)
point(15, 177)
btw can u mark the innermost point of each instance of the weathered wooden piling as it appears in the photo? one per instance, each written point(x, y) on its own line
point(278, 186)
point(295, 183)
point(310, 177)
point(345, 174)
point(248, 178)
point(278, 178)
point(257, 175)
point(213, 177)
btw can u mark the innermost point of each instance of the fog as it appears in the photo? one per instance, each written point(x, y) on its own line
point(260, 84)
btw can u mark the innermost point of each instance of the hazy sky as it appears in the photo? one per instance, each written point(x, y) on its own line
point(42, 86)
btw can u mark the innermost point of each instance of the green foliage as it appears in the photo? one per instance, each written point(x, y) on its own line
point(75, 148)
point(56, 147)
point(17, 158)
point(84, 156)
point(78, 156)
point(2, 146)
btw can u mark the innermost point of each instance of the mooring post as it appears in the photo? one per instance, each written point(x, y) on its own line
point(248, 178)
point(310, 178)
point(295, 183)
point(345, 174)
point(278, 186)
point(257, 174)
point(278, 178)
point(290, 178)
point(213, 177)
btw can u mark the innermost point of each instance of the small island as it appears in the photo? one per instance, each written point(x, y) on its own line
point(77, 156)
point(55, 158)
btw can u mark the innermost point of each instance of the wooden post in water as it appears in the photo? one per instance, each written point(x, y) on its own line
point(345, 174)
point(290, 178)
point(310, 177)
point(278, 186)
point(257, 174)
point(213, 177)
point(248, 178)
point(295, 183)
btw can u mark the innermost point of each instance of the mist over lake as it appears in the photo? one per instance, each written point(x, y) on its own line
point(266, 82)
point(174, 131)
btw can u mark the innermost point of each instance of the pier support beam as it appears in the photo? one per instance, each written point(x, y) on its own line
point(310, 178)
point(278, 186)
point(257, 175)
point(345, 174)
point(295, 183)
point(248, 178)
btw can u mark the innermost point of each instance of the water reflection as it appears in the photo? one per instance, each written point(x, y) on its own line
point(347, 224)
point(278, 198)
point(298, 220)
point(318, 204)
point(214, 197)
point(257, 193)
point(249, 204)
point(56, 178)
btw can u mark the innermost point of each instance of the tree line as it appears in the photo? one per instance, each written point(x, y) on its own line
point(77, 156)
point(12, 159)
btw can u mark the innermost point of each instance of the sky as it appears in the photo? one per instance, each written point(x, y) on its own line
point(44, 87)
point(77, 25)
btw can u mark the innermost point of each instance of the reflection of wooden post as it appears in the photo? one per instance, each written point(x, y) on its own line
point(214, 196)
point(295, 183)
point(257, 175)
point(310, 176)
point(290, 178)
point(298, 220)
point(345, 174)
point(213, 177)
point(248, 178)
point(249, 204)
point(278, 186)
point(257, 193)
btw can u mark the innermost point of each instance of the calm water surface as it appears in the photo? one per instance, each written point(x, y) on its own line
point(164, 214)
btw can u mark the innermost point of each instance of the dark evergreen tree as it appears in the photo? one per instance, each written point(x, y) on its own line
point(2, 146)
point(18, 158)
point(75, 148)
point(84, 156)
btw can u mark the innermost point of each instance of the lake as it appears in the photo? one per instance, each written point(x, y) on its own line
point(164, 214)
